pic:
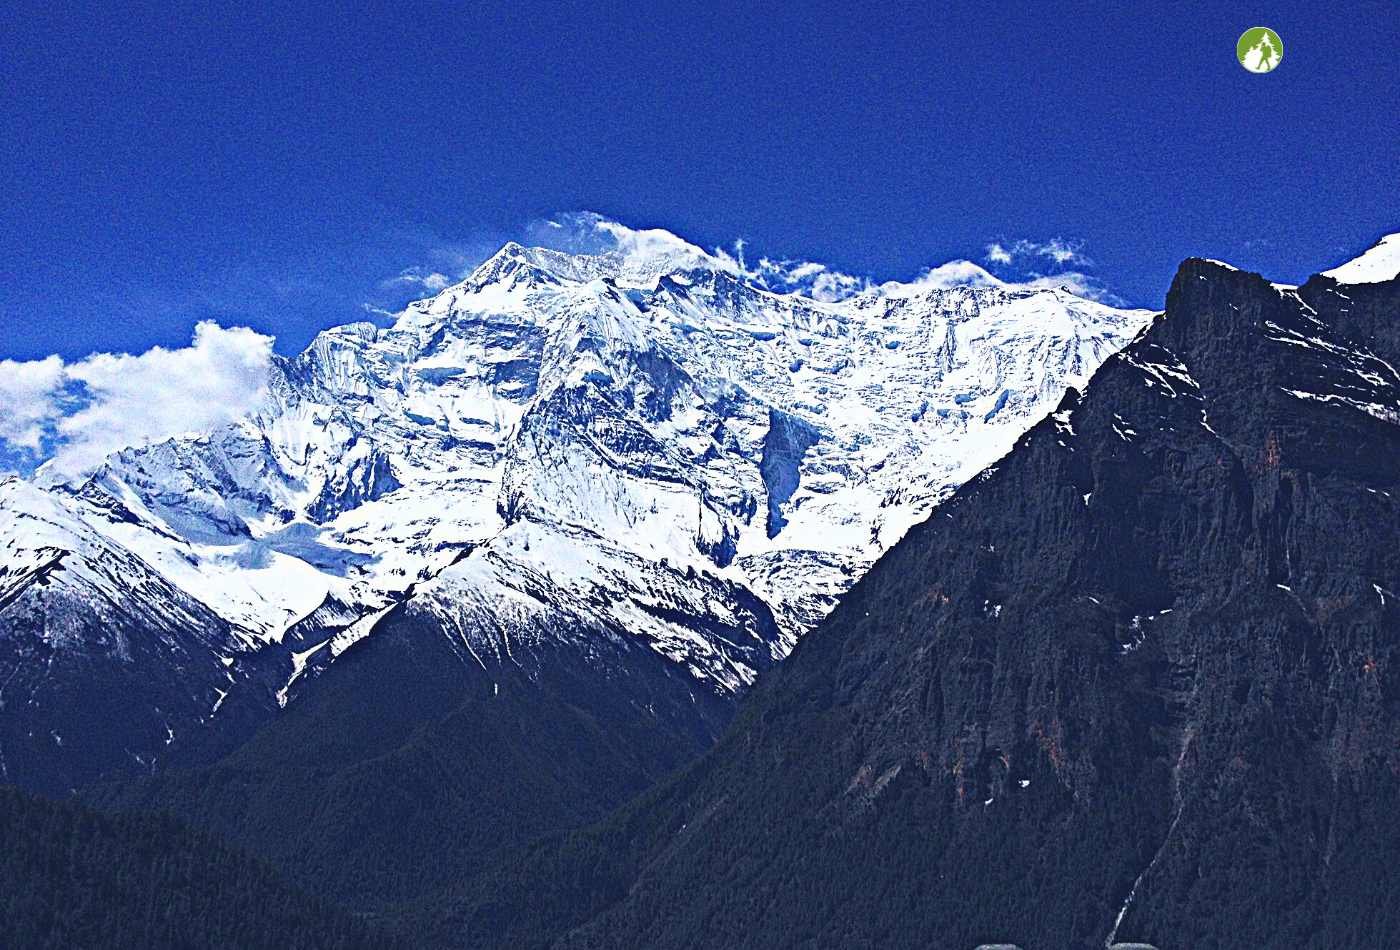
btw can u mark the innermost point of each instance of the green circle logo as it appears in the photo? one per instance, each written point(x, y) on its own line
point(1259, 49)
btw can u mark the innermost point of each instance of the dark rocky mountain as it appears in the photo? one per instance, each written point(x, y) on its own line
point(411, 766)
point(74, 878)
point(1138, 682)
point(96, 645)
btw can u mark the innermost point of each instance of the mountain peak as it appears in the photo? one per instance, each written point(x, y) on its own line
point(506, 265)
point(958, 273)
point(580, 248)
point(589, 247)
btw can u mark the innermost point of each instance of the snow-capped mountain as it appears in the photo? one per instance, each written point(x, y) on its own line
point(644, 440)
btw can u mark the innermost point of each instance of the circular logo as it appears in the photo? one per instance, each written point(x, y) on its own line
point(1259, 49)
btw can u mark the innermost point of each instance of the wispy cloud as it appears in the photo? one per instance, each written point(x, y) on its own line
point(1080, 284)
point(1060, 251)
point(79, 413)
point(809, 278)
point(997, 254)
point(417, 278)
point(1056, 262)
point(441, 263)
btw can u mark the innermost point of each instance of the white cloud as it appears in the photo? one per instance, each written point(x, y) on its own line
point(29, 394)
point(448, 264)
point(84, 411)
point(1058, 250)
point(639, 248)
point(1062, 252)
point(656, 249)
point(996, 254)
point(809, 278)
point(804, 270)
point(418, 278)
point(1030, 257)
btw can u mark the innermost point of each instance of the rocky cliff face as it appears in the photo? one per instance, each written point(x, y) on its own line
point(1136, 682)
point(642, 446)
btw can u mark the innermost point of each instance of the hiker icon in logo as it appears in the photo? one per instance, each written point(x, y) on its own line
point(1259, 49)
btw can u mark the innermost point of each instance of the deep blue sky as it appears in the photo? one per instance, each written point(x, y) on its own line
point(165, 164)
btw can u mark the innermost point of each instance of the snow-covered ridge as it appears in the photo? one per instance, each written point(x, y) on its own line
point(640, 442)
point(1380, 263)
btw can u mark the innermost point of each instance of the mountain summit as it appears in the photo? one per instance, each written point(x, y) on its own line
point(638, 445)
